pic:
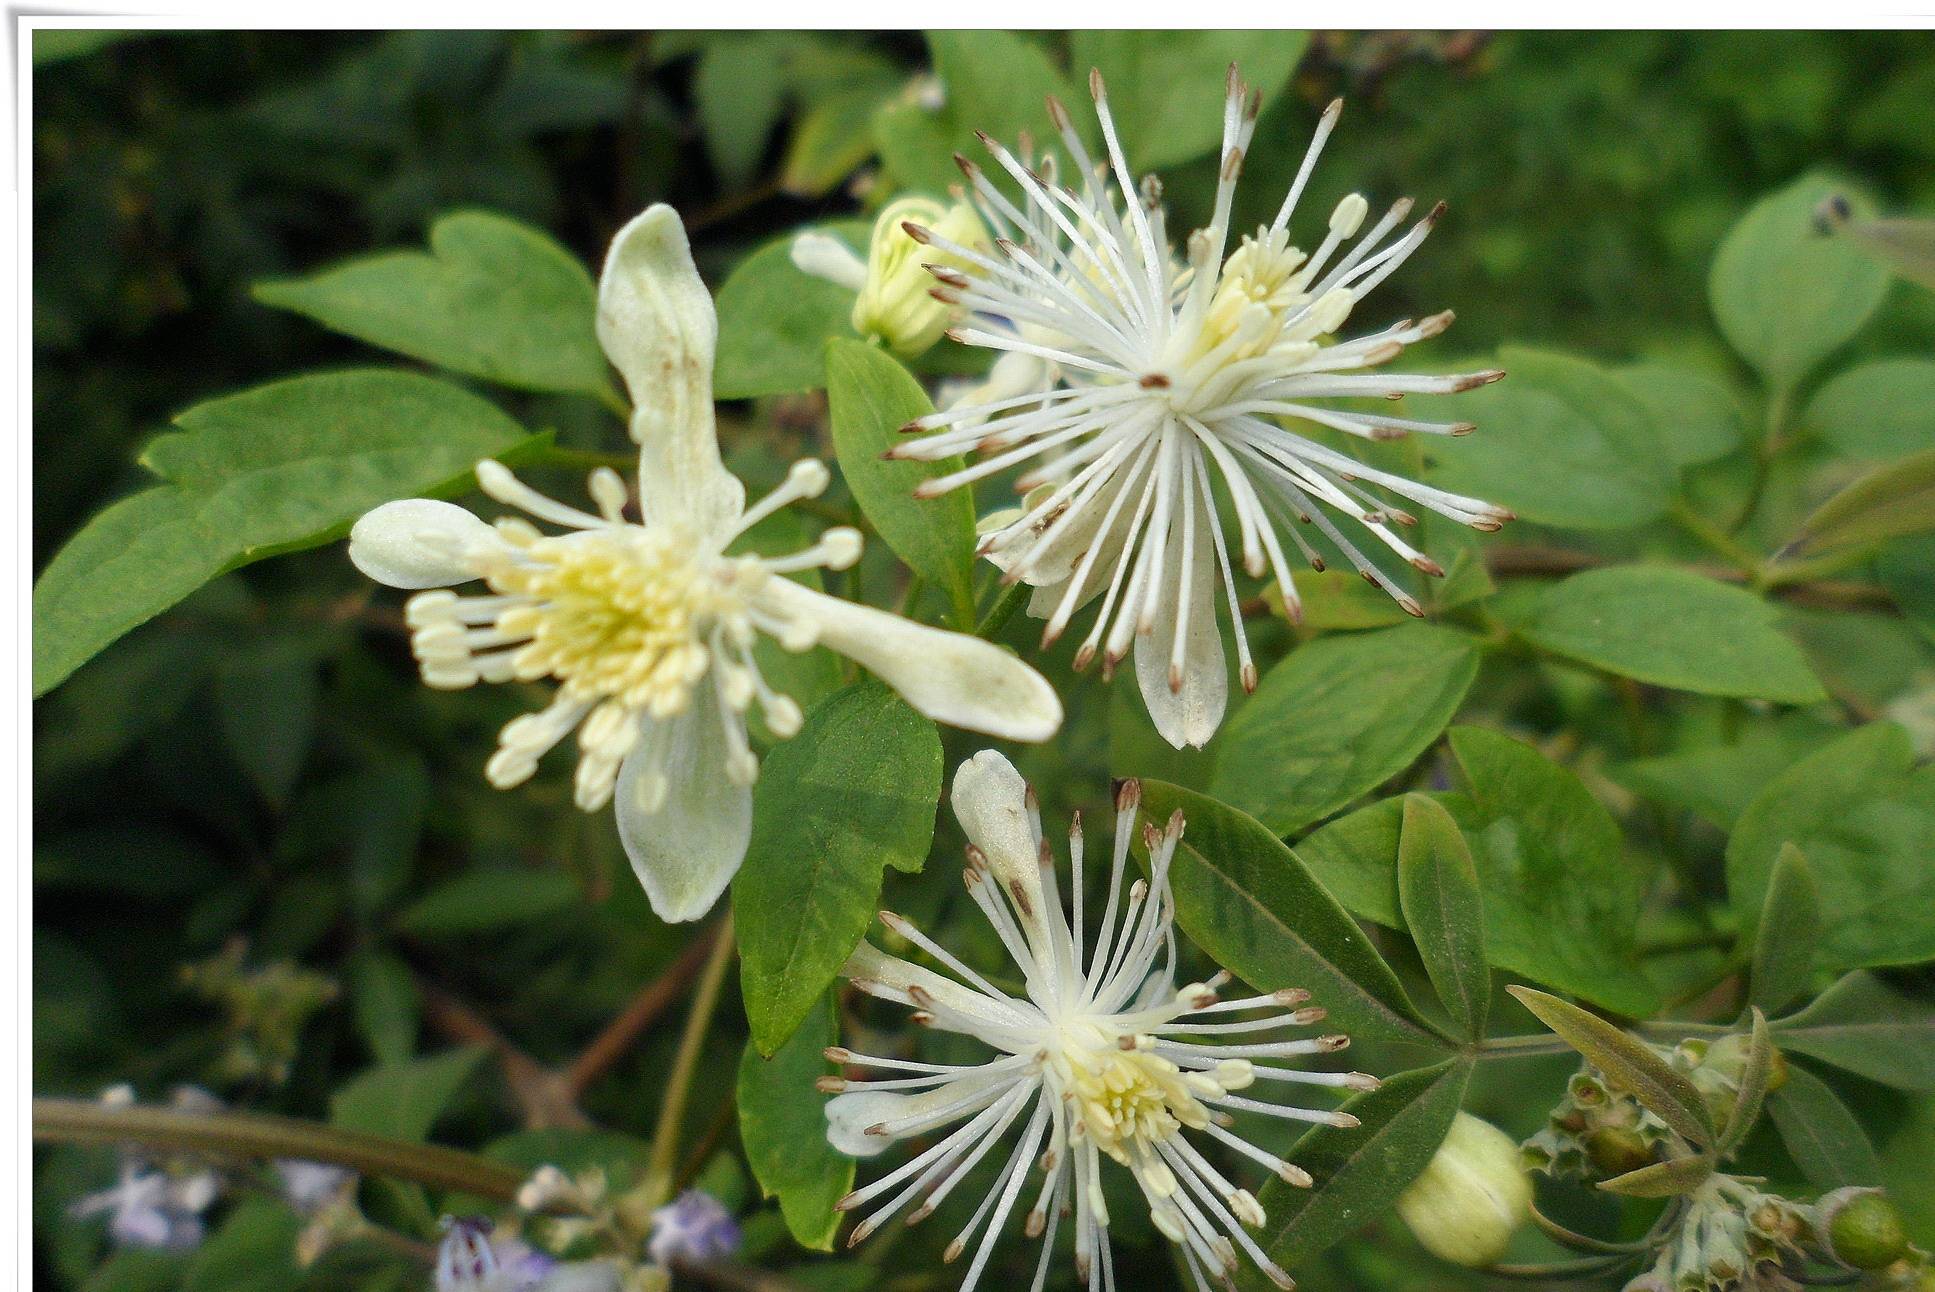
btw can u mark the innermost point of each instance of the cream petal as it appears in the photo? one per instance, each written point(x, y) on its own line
point(990, 802)
point(951, 677)
point(420, 543)
point(1188, 716)
point(848, 1115)
point(869, 963)
point(656, 322)
point(688, 848)
point(824, 256)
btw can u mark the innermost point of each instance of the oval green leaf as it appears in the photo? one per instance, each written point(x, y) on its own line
point(782, 1124)
point(1443, 911)
point(1629, 1062)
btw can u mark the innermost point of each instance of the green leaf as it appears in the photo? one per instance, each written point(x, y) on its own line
point(1338, 717)
point(739, 98)
point(1718, 783)
point(1871, 1028)
point(1821, 1135)
point(1695, 418)
point(404, 1100)
point(1247, 900)
point(1167, 87)
point(782, 1124)
point(1784, 295)
point(993, 81)
point(831, 140)
point(1864, 815)
point(486, 901)
point(134, 1269)
point(1443, 911)
point(1628, 1062)
point(493, 298)
point(853, 792)
point(1669, 627)
point(273, 469)
point(1360, 1172)
point(1906, 568)
point(1784, 939)
point(1559, 441)
point(775, 319)
point(385, 1004)
point(869, 398)
point(1662, 1179)
point(1561, 903)
point(1877, 411)
point(1893, 501)
point(267, 707)
point(254, 1250)
point(1756, 1070)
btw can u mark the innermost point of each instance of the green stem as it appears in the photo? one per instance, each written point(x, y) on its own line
point(663, 1165)
point(1764, 454)
point(79, 1121)
point(1006, 602)
point(1721, 541)
point(615, 403)
point(1520, 1047)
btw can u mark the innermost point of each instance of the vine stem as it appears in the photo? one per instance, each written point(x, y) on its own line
point(671, 1110)
point(1520, 1047)
point(80, 1121)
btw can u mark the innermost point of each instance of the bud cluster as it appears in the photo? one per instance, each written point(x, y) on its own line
point(265, 1010)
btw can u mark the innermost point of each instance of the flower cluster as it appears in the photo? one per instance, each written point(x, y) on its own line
point(1101, 1056)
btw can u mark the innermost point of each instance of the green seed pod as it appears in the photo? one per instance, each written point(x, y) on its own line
point(1863, 1228)
point(1472, 1197)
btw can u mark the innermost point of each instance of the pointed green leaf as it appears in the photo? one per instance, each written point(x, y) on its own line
point(1662, 1179)
point(494, 298)
point(404, 1100)
point(1695, 418)
point(775, 319)
point(1247, 900)
point(1871, 1028)
point(1821, 1135)
point(1863, 813)
point(1359, 1172)
point(869, 398)
point(1338, 717)
point(1438, 886)
point(1784, 295)
point(782, 1124)
point(1669, 627)
point(1784, 939)
point(1628, 1062)
point(1876, 411)
point(273, 469)
point(1892, 501)
point(853, 792)
point(1755, 1071)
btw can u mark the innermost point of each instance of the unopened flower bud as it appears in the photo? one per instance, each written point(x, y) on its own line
point(1862, 1228)
point(896, 303)
point(1471, 1198)
point(1615, 1150)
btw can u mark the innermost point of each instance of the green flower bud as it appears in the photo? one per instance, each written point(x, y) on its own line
point(1863, 1228)
point(1472, 1197)
point(898, 302)
point(1615, 1150)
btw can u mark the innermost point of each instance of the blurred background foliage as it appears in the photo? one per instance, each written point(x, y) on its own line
point(258, 774)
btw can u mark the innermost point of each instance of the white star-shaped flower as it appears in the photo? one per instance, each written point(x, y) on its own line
point(649, 627)
point(1134, 380)
point(1100, 1056)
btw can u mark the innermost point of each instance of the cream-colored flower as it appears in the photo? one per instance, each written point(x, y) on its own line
point(1141, 377)
point(1102, 1056)
point(648, 627)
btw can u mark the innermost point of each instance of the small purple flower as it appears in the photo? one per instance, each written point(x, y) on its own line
point(311, 1186)
point(151, 1209)
point(693, 1227)
point(470, 1260)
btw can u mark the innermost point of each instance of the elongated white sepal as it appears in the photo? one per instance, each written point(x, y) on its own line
point(656, 322)
point(951, 677)
point(685, 824)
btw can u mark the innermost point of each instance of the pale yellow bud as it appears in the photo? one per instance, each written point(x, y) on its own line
point(1473, 1196)
point(897, 304)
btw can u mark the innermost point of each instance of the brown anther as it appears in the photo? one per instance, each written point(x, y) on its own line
point(1057, 114)
point(847, 1201)
point(1428, 566)
point(1317, 564)
point(912, 428)
point(837, 1054)
point(1289, 996)
point(916, 232)
point(922, 1017)
point(829, 1085)
point(1154, 381)
point(1150, 835)
point(1128, 794)
point(1436, 211)
point(1410, 606)
point(1095, 87)
point(1022, 903)
point(1336, 1041)
point(1311, 1014)
point(1248, 676)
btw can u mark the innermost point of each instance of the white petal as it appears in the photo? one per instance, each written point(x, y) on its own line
point(656, 322)
point(951, 677)
point(849, 1115)
point(419, 543)
point(869, 963)
point(990, 802)
point(1189, 716)
point(687, 851)
point(582, 1276)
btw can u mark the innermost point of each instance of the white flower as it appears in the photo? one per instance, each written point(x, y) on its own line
point(649, 628)
point(692, 1228)
point(1164, 375)
point(151, 1208)
point(470, 1260)
point(1103, 1056)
